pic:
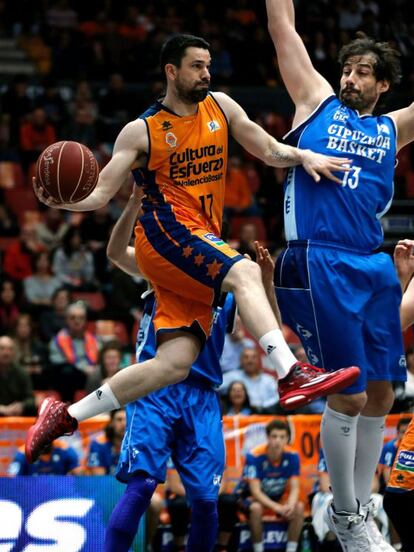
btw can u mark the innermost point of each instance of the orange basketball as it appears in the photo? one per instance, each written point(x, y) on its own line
point(67, 171)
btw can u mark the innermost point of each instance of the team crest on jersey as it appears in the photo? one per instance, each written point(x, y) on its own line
point(211, 237)
point(171, 139)
point(383, 128)
point(213, 126)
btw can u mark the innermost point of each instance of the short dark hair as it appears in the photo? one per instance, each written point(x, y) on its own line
point(173, 49)
point(403, 422)
point(387, 66)
point(279, 425)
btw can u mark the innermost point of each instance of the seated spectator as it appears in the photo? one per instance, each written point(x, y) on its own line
point(51, 230)
point(271, 483)
point(95, 230)
point(322, 498)
point(18, 255)
point(16, 393)
point(236, 401)
point(234, 344)
point(247, 239)
point(9, 227)
point(73, 263)
point(35, 135)
point(238, 197)
point(52, 320)
point(409, 384)
point(31, 353)
point(41, 285)
point(73, 353)
point(9, 309)
point(177, 506)
point(261, 388)
point(58, 459)
point(104, 451)
point(110, 359)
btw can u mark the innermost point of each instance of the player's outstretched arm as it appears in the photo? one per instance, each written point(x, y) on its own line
point(404, 120)
point(267, 266)
point(305, 85)
point(118, 250)
point(259, 143)
point(130, 144)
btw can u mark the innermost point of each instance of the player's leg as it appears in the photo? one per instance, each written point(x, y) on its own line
point(153, 517)
point(175, 355)
point(125, 518)
point(295, 527)
point(256, 526)
point(199, 458)
point(227, 519)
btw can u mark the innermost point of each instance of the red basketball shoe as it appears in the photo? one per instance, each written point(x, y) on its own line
point(305, 383)
point(53, 421)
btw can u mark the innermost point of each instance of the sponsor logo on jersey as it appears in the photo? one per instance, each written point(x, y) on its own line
point(405, 460)
point(166, 125)
point(213, 238)
point(383, 128)
point(171, 139)
point(213, 126)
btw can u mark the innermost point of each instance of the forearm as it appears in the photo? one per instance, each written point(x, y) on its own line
point(122, 231)
point(280, 13)
point(282, 156)
point(265, 500)
point(271, 297)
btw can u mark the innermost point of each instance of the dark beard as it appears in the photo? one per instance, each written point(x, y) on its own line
point(192, 96)
point(356, 102)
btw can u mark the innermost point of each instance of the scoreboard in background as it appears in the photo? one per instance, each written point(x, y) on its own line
point(57, 513)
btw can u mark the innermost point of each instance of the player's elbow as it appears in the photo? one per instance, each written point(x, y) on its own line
point(112, 253)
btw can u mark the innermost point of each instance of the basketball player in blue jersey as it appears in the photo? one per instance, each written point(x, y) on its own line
point(181, 421)
point(343, 299)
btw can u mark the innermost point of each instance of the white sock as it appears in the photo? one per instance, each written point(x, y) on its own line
point(258, 547)
point(100, 401)
point(370, 438)
point(339, 437)
point(281, 357)
point(291, 546)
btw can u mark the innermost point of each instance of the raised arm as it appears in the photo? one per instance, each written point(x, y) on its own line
point(118, 250)
point(259, 143)
point(305, 85)
point(131, 144)
point(404, 264)
point(404, 120)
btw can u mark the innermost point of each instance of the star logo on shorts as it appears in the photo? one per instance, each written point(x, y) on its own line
point(213, 269)
point(199, 259)
point(187, 251)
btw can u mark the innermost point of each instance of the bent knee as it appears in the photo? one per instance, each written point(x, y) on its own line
point(350, 405)
point(256, 509)
point(242, 274)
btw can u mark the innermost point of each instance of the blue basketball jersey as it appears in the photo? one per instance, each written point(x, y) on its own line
point(206, 366)
point(348, 214)
point(102, 454)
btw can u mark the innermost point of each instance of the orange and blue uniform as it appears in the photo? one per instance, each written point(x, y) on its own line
point(177, 241)
point(402, 474)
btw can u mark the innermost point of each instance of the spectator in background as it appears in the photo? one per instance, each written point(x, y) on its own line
point(16, 393)
point(73, 263)
point(95, 230)
point(58, 459)
point(115, 108)
point(9, 309)
point(35, 135)
point(8, 222)
point(389, 450)
point(51, 230)
point(238, 197)
point(105, 449)
point(271, 483)
point(41, 285)
point(18, 255)
point(73, 353)
point(234, 344)
point(29, 350)
point(81, 128)
point(261, 388)
point(53, 320)
point(52, 103)
point(16, 105)
point(110, 359)
point(247, 239)
point(236, 401)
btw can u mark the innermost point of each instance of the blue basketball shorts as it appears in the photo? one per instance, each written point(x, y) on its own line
point(182, 422)
point(344, 306)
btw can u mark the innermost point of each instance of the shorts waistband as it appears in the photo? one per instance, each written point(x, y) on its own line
point(329, 245)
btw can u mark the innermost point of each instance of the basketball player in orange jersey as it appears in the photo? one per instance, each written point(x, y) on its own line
point(178, 150)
